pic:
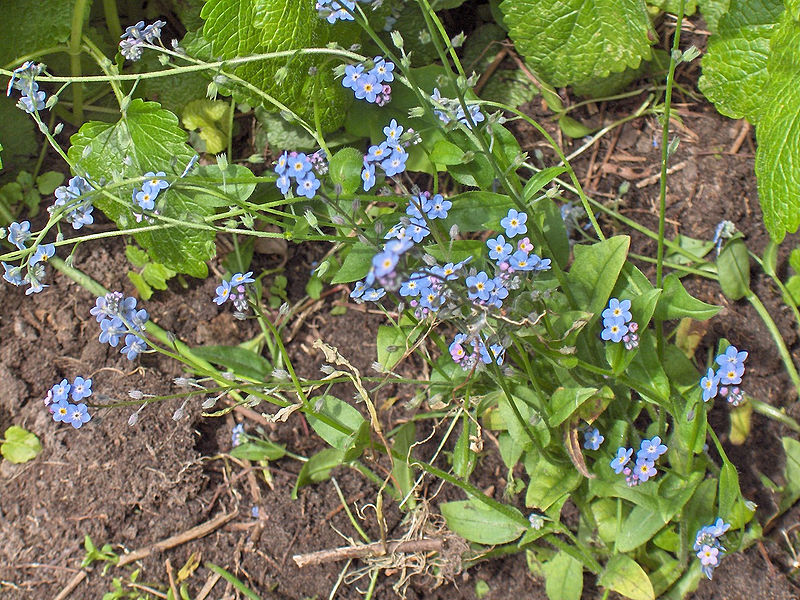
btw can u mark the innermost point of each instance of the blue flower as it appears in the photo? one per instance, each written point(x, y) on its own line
point(731, 358)
point(81, 388)
point(19, 233)
point(592, 439)
point(399, 245)
point(645, 469)
point(480, 286)
point(299, 165)
point(111, 330)
point(155, 184)
point(223, 293)
point(368, 176)
point(145, 199)
point(416, 206)
point(413, 286)
point(242, 279)
point(378, 152)
point(709, 385)
point(43, 252)
point(358, 290)
point(438, 207)
point(308, 186)
point(134, 346)
point(78, 415)
point(514, 223)
point(522, 261)
point(367, 88)
point(417, 229)
point(373, 295)
point(730, 374)
point(651, 449)
point(60, 410)
point(282, 163)
point(352, 73)
point(499, 248)
point(236, 434)
point(499, 354)
point(13, 274)
point(622, 458)
point(393, 131)
point(618, 309)
point(60, 391)
point(614, 329)
point(382, 71)
point(396, 163)
point(284, 183)
point(384, 263)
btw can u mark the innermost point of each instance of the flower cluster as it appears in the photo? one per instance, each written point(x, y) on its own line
point(234, 290)
point(336, 10)
point(19, 234)
point(618, 324)
point(390, 154)
point(649, 452)
point(592, 439)
point(136, 36)
point(118, 317)
point(373, 85)
point(451, 109)
point(144, 199)
point(23, 79)
point(729, 373)
point(301, 168)
point(77, 207)
point(707, 545)
point(467, 351)
point(75, 413)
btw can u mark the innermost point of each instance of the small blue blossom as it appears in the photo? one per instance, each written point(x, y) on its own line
point(731, 357)
point(522, 261)
point(42, 254)
point(223, 293)
point(358, 290)
point(373, 295)
point(368, 176)
point(60, 410)
point(417, 230)
point(111, 330)
point(134, 346)
point(393, 131)
point(618, 309)
point(396, 163)
point(282, 163)
point(378, 152)
point(480, 286)
point(78, 415)
point(592, 439)
point(367, 88)
point(730, 374)
point(284, 183)
point(709, 385)
point(308, 186)
point(236, 434)
point(13, 274)
point(499, 248)
point(645, 469)
point(382, 71)
point(514, 223)
point(384, 263)
point(19, 233)
point(438, 207)
point(144, 199)
point(155, 183)
point(242, 279)
point(651, 449)
point(622, 458)
point(60, 391)
point(352, 73)
point(81, 388)
point(299, 165)
point(614, 329)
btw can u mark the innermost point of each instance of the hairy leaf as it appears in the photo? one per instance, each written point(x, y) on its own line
point(573, 40)
point(148, 138)
point(237, 28)
point(477, 522)
point(735, 66)
point(778, 135)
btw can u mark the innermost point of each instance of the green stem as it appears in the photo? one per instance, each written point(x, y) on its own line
point(776, 337)
point(75, 58)
point(112, 19)
point(774, 413)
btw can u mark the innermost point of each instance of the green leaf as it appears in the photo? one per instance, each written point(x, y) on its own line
point(735, 65)
point(624, 576)
point(50, 27)
point(156, 275)
point(356, 264)
point(573, 40)
point(563, 579)
point(548, 482)
point(554, 230)
point(566, 401)
point(676, 303)
point(393, 342)
point(446, 153)
point(243, 28)
point(476, 522)
point(540, 180)
point(144, 289)
point(778, 135)
point(137, 257)
point(47, 182)
point(595, 270)
point(344, 414)
point(20, 445)
point(210, 117)
point(733, 267)
point(401, 469)
point(282, 134)
point(475, 211)
point(345, 169)
point(573, 128)
point(241, 361)
point(791, 491)
point(148, 138)
point(646, 369)
point(259, 450)
point(318, 468)
point(712, 11)
point(464, 459)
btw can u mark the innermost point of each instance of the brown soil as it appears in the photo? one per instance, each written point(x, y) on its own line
point(133, 486)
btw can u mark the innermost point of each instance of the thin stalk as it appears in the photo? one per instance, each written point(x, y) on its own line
point(112, 19)
point(774, 413)
point(662, 192)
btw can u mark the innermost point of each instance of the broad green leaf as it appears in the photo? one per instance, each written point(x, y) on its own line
point(573, 128)
point(458, 250)
point(340, 412)
point(148, 138)
point(282, 135)
point(156, 275)
point(41, 24)
point(401, 469)
point(624, 576)
point(464, 459)
point(553, 228)
point(231, 187)
point(237, 28)
point(393, 342)
point(136, 256)
point(741, 423)
point(540, 180)
point(778, 135)
point(356, 263)
point(595, 270)
point(735, 65)
point(144, 289)
point(572, 40)
point(318, 468)
point(676, 303)
point(211, 118)
point(510, 449)
point(548, 482)
point(563, 579)
point(345, 169)
point(645, 368)
point(446, 153)
point(700, 510)
point(18, 135)
point(241, 361)
point(712, 11)
point(20, 445)
point(673, 6)
point(604, 511)
point(566, 401)
point(479, 523)
point(47, 182)
point(259, 450)
point(475, 211)
point(733, 268)
point(509, 86)
point(791, 490)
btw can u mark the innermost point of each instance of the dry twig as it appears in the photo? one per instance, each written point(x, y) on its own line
point(368, 550)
